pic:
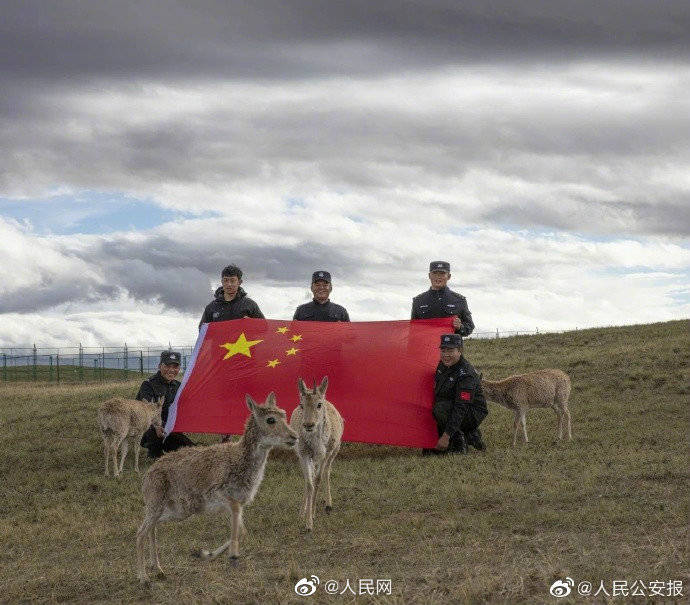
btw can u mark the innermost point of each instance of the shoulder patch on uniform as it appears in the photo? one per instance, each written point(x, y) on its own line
point(465, 395)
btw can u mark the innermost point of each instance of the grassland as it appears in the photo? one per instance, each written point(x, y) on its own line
point(66, 373)
point(499, 526)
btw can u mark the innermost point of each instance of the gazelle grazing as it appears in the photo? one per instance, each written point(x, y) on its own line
point(539, 389)
point(121, 419)
point(223, 476)
point(320, 429)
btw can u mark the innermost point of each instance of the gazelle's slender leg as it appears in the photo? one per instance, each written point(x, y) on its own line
point(329, 461)
point(106, 453)
point(212, 554)
point(319, 468)
point(559, 418)
point(142, 537)
point(113, 452)
point(308, 472)
point(153, 545)
point(523, 420)
point(124, 446)
point(567, 417)
point(236, 525)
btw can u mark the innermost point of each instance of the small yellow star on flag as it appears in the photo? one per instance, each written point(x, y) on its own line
point(292, 351)
point(296, 337)
point(282, 330)
point(273, 363)
point(241, 346)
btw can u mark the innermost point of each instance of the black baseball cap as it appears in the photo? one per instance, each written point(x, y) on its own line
point(321, 276)
point(439, 265)
point(170, 357)
point(451, 341)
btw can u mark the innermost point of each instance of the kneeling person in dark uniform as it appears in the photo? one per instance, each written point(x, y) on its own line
point(459, 404)
point(321, 308)
point(162, 383)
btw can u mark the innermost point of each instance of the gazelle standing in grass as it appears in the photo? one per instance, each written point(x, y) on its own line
point(539, 389)
point(223, 476)
point(122, 419)
point(320, 430)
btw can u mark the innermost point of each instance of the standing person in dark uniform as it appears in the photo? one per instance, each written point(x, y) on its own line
point(162, 383)
point(231, 301)
point(440, 301)
point(321, 308)
point(459, 403)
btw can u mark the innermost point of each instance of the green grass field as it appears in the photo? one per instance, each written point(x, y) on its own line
point(66, 373)
point(499, 526)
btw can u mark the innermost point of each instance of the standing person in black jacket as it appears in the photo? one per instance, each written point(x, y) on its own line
point(162, 383)
point(459, 403)
point(231, 301)
point(321, 308)
point(440, 301)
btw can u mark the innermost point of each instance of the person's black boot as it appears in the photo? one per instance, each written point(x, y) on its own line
point(475, 440)
point(155, 450)
point(458, 443)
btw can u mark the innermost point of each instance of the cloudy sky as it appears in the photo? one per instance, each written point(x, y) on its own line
point(542, 147)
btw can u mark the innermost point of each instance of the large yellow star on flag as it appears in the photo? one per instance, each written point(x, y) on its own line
point(241, 346)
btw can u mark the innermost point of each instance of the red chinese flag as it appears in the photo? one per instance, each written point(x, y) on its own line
point(380, 375)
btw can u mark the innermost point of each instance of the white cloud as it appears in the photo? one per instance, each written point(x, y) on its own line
point(513, 280)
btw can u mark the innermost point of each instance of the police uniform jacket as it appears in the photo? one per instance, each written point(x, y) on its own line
point(155, 387)
point(462, 384)
point(443, 303)
point(315, 311)
point(222, 310)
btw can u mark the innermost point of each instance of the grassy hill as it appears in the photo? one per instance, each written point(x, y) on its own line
point(499, 526)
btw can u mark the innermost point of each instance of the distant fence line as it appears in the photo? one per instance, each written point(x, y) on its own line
point(79, 363)
point(70, 364)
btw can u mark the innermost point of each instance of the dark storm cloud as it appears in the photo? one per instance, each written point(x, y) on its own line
point(54, 291)
point(670, 218)
point(78, 81)
point(172, 273)
point(273, 264)
point(70, 39)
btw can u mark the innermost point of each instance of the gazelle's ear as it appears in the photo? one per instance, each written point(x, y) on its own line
point(251, 404)
point(271, 399)
point(323, 386)
point(301, 387)
point(161, 401)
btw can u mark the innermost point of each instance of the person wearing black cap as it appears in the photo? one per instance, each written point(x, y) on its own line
point(459, 403)
point(440, 301)
point(162, 384)
point(231, 301)
point(321, 308)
